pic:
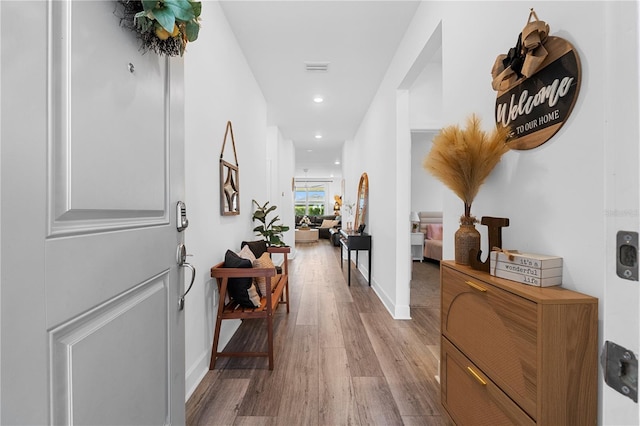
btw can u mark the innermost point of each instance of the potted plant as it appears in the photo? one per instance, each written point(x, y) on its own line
point(270, 230)
point(463, 159)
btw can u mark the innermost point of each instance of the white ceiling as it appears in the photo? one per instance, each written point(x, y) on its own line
point(357, 38)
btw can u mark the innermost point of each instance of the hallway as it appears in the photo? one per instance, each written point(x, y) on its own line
point(340, 359)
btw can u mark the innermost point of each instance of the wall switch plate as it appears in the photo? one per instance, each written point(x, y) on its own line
point(627, 255)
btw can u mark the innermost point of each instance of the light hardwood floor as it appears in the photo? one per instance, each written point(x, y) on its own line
point(340, 358)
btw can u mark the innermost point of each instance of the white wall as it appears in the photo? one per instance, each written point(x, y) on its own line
point(373, 151)
point(281, 160)
point(425, 97)
point(425, 120)
point(559, 197)
point(427, 192)
point(219, 87)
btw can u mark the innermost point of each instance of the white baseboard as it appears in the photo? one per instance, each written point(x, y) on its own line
point(399, 312)
point(195, 374)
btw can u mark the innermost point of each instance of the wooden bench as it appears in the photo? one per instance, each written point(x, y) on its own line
point(277, 286)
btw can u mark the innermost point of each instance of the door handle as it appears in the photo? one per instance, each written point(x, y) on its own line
point(193, 278)
point(181, 258)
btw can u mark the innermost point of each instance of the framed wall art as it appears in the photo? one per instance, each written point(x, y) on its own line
point(229, 179)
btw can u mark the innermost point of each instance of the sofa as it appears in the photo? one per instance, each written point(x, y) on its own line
point(431, 227)
point(323, 223)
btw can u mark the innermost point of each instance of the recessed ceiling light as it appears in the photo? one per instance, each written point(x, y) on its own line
point(318, 136)
point(337, 162)
point(318, 99)
point(309, 150)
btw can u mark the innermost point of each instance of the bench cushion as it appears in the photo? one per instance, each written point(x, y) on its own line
point(246, 253)
point(242, 290)
point(258, 247)
point(264, 261)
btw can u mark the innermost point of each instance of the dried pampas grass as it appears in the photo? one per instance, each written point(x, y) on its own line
point(463, 158)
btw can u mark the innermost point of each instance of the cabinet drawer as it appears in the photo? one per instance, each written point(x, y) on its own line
point(417, 238)
point(498, 328)
point(471, 398)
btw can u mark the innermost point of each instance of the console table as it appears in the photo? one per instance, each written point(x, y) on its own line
point(351, 240)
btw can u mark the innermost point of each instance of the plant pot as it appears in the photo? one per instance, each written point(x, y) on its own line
point(467, 237)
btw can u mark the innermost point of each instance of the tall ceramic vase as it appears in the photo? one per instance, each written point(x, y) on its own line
point(467, 237)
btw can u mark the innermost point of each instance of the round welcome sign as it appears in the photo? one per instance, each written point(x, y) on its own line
point(537, 107)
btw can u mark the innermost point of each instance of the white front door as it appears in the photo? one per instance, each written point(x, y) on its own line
point(91, 170)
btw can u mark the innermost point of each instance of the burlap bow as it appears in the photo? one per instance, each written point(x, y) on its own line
point(525, 58)
point(509, 253)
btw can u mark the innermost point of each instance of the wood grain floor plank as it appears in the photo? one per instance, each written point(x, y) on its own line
point(435, 351)
point(329, 327)
point(260, 399)
point(200, 400)
point(299, 404)
point(337, 399)
point(403, 368)
point(223, 402)
point(375, 403)
point(365, 299)
point(425, 421)
point(427, 324)
point(255, 421)
point(308, 312)
point(422, 357)
point(362, 358)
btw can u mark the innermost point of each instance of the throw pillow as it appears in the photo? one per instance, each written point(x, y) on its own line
point(329, 223)
point(434, 231)
point(246, 253)
point(240, 289)
point(263, 261)
point(253, 295)
point(257, 247)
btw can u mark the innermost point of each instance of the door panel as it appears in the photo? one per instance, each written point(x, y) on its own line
point(88, 361)
point(109, 139)
point(84, 271)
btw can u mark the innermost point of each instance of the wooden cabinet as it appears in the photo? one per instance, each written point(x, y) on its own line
point(516, 354)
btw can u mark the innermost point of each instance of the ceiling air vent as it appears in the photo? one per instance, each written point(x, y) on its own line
point(316, 66)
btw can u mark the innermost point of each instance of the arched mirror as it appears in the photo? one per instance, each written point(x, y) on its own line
point(362, 200)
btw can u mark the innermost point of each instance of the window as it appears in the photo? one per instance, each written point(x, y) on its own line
point(310, 198)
